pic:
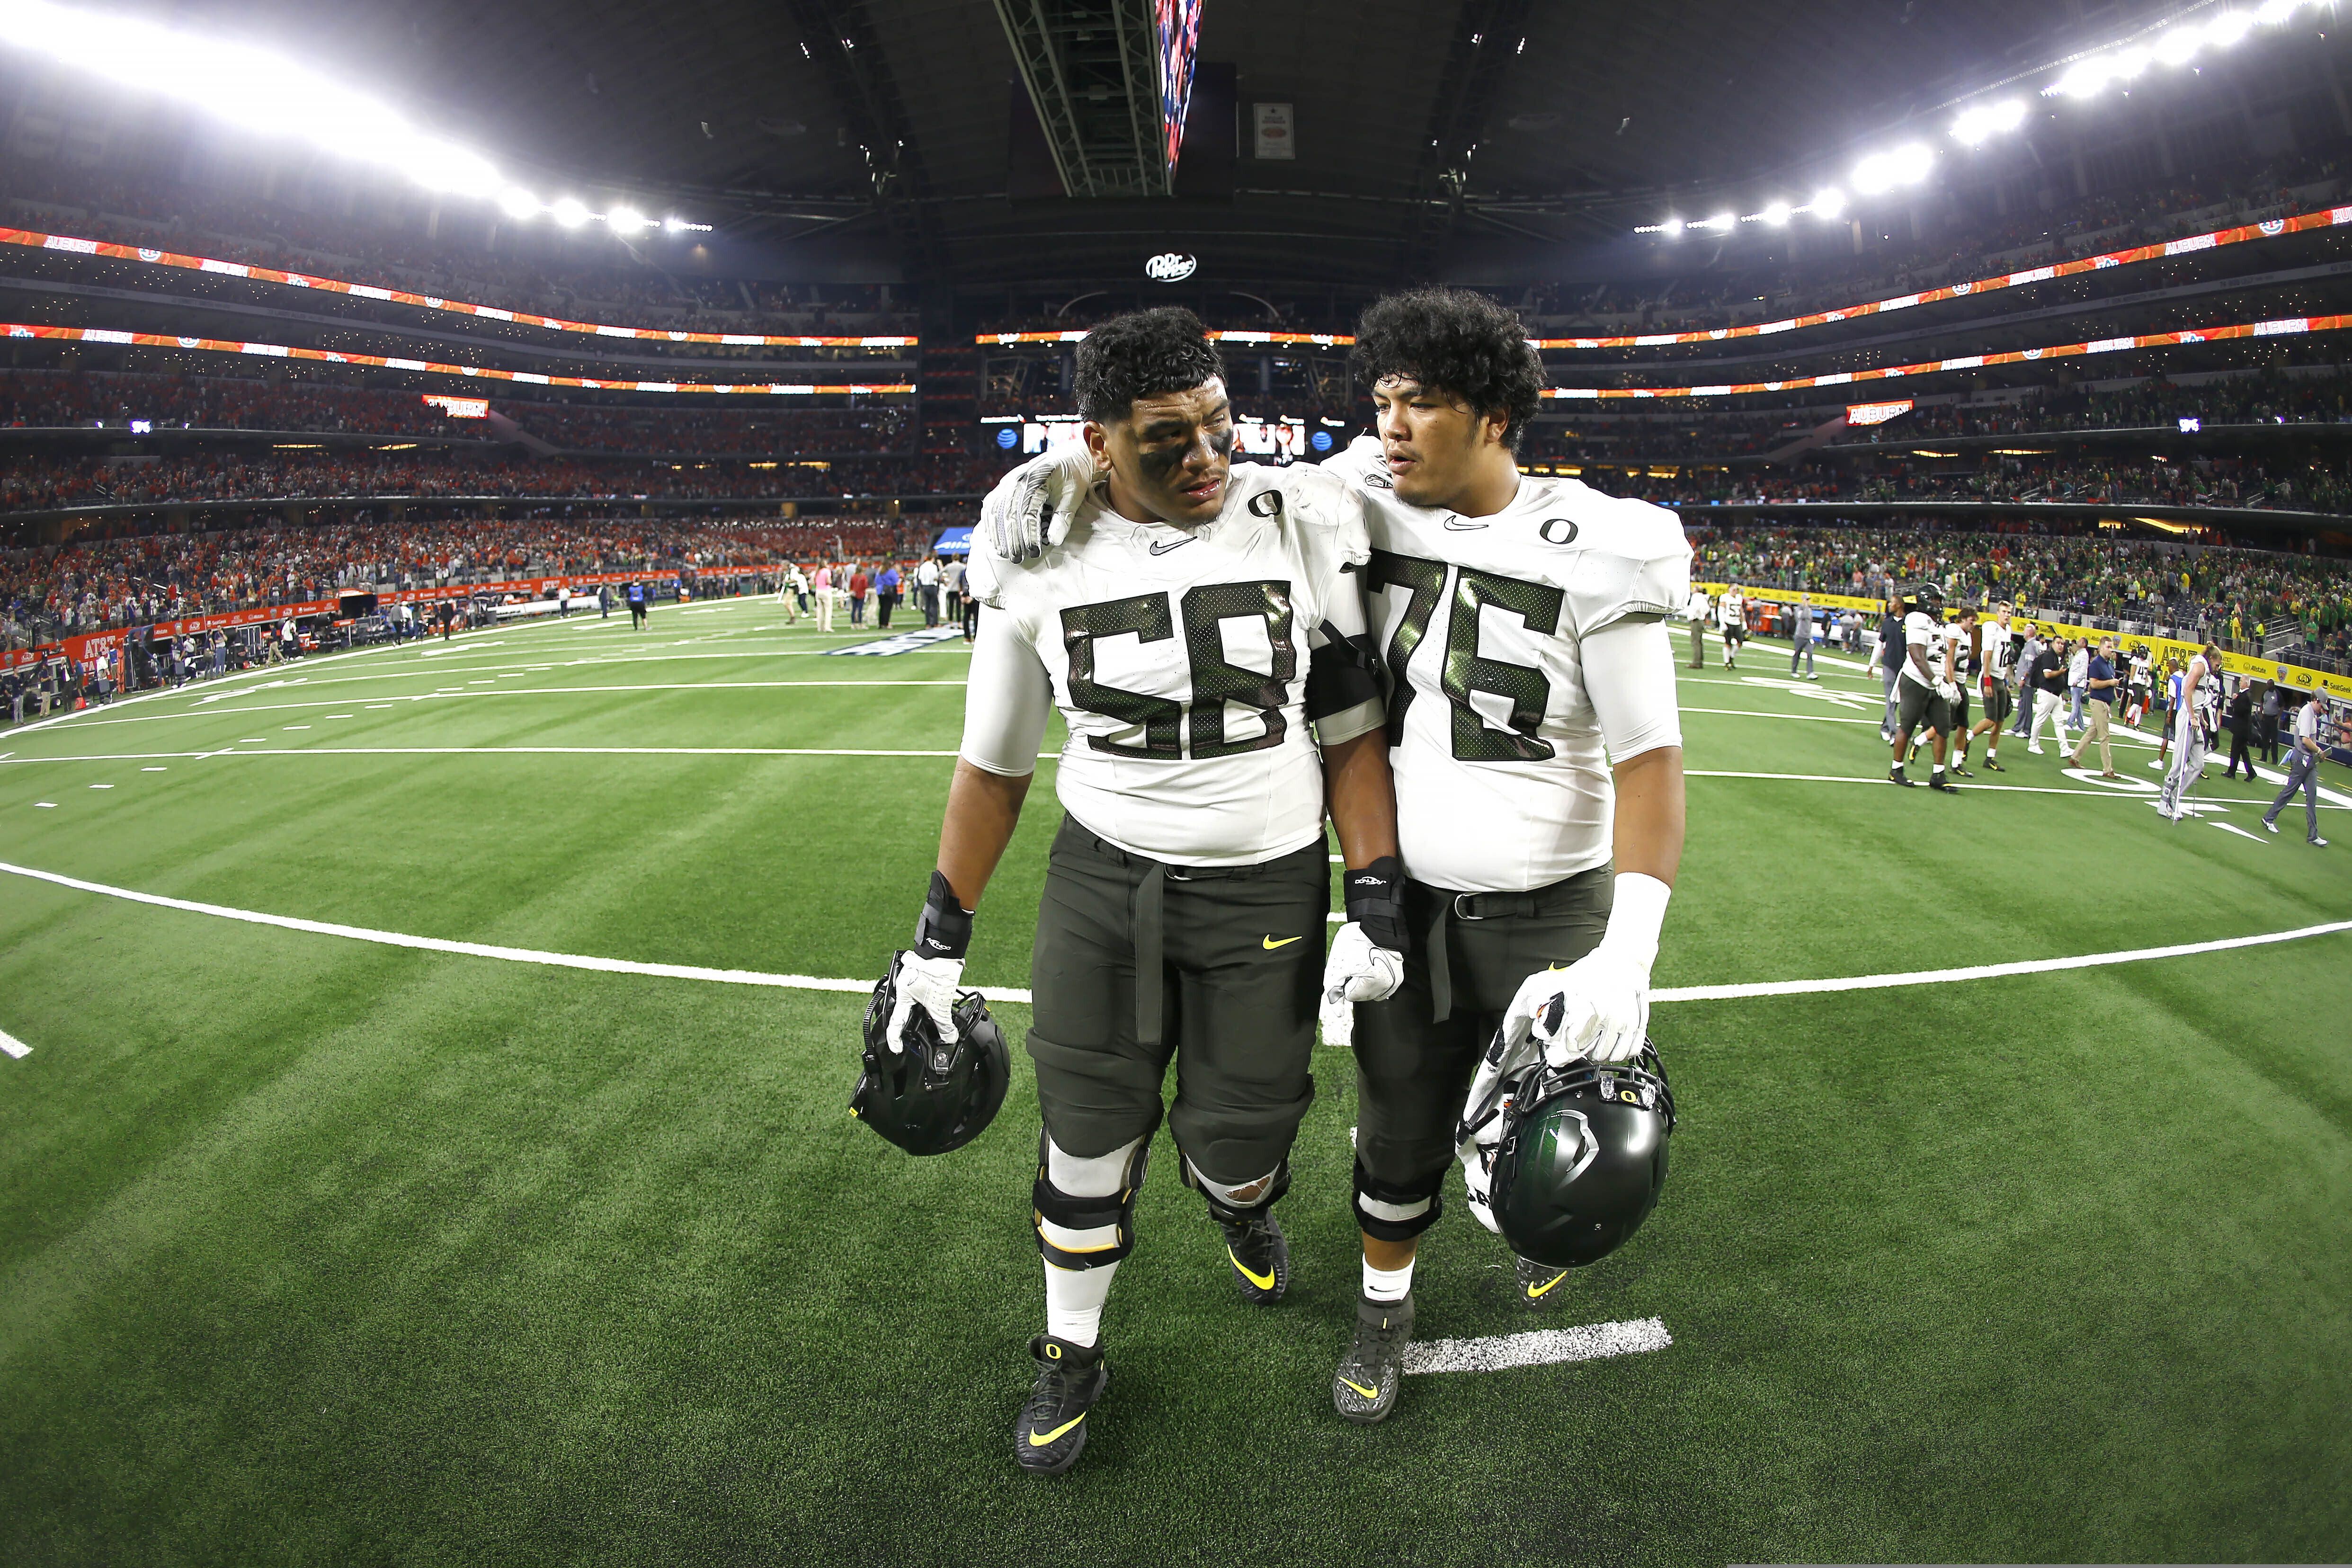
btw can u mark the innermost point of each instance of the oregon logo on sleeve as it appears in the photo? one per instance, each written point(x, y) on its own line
point(1266, 503)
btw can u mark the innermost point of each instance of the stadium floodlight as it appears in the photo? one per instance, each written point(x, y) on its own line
point(2227, 28)
point(1827, 203)
point(626, 220)
point(569, 210)
point(519, 202)
point(1986, 119)
point(1905, 165)
point(1775, 213)
point(1722, 223)
point(1672, 227)
point(2178, 47)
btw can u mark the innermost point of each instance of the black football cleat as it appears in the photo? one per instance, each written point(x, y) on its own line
point(1937, 781)
point(1542, 1286)
point(1962, 772)
point(1051, 1430)
point(1260, 1257)
point(1896, 774)
point(1364, 1389)
point(1995, 765)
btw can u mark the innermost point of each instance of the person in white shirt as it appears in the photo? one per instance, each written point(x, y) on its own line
point(2078, 677)
point(1200, 628)
point(927, 590)
point(1925, 687)
point(1695, 610)
point(2302, 774)
point(2194, 726)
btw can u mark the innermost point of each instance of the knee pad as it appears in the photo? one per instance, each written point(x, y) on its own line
point(1223, 1208)
point(1092, 1229)
point(1386, 1212)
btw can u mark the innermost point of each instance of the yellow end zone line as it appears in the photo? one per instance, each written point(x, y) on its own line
point(1020, 994)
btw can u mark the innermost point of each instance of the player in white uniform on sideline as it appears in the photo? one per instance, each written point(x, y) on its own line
point(1926, 692)
point(1994, 652)
point(1535, 738)
point(1200, 626)
point(1732, 608)
point(2193, 729)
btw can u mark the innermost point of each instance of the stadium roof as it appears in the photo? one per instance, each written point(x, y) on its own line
point(892, 131)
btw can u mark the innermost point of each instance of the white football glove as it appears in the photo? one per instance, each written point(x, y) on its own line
point(1598, 1006)
point(1030, 509)
point(1358, 971)
point(930, 984)
point(1949, 690)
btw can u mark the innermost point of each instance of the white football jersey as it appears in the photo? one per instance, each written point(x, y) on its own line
point(1178, 659)
point(1995, 638)
point(1924, 632)
point(1502, 781)
point(1735, 609)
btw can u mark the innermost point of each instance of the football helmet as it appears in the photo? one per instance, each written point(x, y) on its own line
point(933, 1096)
point(1565, 1163)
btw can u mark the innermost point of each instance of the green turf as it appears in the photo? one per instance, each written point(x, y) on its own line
point(316, 1250)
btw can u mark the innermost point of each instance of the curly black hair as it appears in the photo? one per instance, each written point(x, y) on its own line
point(1457, 343)
point(1142, 355)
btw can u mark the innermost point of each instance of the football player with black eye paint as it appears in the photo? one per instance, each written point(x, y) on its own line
point(1200, 625)
point(1537, 748)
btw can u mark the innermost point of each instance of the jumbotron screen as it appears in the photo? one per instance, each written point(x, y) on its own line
point(1180, 40)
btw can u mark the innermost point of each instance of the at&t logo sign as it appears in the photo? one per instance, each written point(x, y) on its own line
point(1171, 267)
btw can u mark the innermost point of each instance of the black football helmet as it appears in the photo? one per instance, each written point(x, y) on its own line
point(1581, 1157)
point(931, 1097)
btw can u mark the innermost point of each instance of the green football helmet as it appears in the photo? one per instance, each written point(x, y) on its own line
point(1566, 1162)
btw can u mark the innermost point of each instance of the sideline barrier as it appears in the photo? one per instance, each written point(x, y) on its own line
point(35, 239)
point(2248, 665)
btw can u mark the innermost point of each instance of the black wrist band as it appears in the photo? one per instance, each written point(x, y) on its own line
point(945, 930)
point(1375, 896)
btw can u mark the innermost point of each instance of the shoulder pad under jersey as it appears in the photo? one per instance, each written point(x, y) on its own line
point(1635, 561)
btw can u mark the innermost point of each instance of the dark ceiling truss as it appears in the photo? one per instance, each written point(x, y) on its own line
point(1090, 70)
point(840, 41)
point(1488, 35)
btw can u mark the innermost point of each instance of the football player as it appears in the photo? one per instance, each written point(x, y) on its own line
point(1991, 666)
point(1734, 613)
point(1200, 628)
point(1929, 695)
point(1535, 739)
point(2194, 725)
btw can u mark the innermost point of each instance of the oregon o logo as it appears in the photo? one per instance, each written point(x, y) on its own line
point(1266, 503)
point(1171, 267)
point(1544, 530)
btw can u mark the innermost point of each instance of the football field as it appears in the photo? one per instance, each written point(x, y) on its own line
point(429, 1145)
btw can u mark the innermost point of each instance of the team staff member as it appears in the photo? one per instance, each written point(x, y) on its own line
point(1183, 911)
point(1695, 610)
point(639, 595)
point(2048, 679)
point(2302, 774)
point(2099, 699)
point(1890, 655)
point(1802, 630)
point(2239, 719)
point(1540, 837)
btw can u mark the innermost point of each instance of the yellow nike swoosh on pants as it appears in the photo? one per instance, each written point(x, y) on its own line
point(1263, 1281)
point(1271, 944)
point(1039, 1441)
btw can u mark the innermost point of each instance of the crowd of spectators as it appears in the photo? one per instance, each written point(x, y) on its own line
point(42, 484)
point(96, 584)
point(397, 254)
point(2244, 597)
point(2201, 481)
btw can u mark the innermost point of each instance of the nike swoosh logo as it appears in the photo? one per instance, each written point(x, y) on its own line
point(1263, 1281)
point(1039, 1440)
point(1457, 525)
point(1271, 944)
point(1537, 1293)
point(1171, 544)
point(1367, 1393)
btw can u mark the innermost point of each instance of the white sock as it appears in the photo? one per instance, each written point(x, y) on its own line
point(1074, 1302)
point(1387, 1285)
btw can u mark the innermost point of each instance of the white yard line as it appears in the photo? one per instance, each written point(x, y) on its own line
point(1008, 994)
point(1543, 1347)
point(512, 691)
point(13, 1046)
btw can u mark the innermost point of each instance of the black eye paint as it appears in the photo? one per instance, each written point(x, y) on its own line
point(1221, 442)
point(1160, 462)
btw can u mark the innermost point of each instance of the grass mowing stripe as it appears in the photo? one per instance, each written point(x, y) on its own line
point(1009, 994)
point(1543, 1347)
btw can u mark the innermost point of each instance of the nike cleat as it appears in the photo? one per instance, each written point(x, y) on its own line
point(1937, 781)
point(1896, 774)
point(1995, 765)
point(1051, 1430)
point(1540, 1286)
point(1364, 1389)
point(1260, 1257)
